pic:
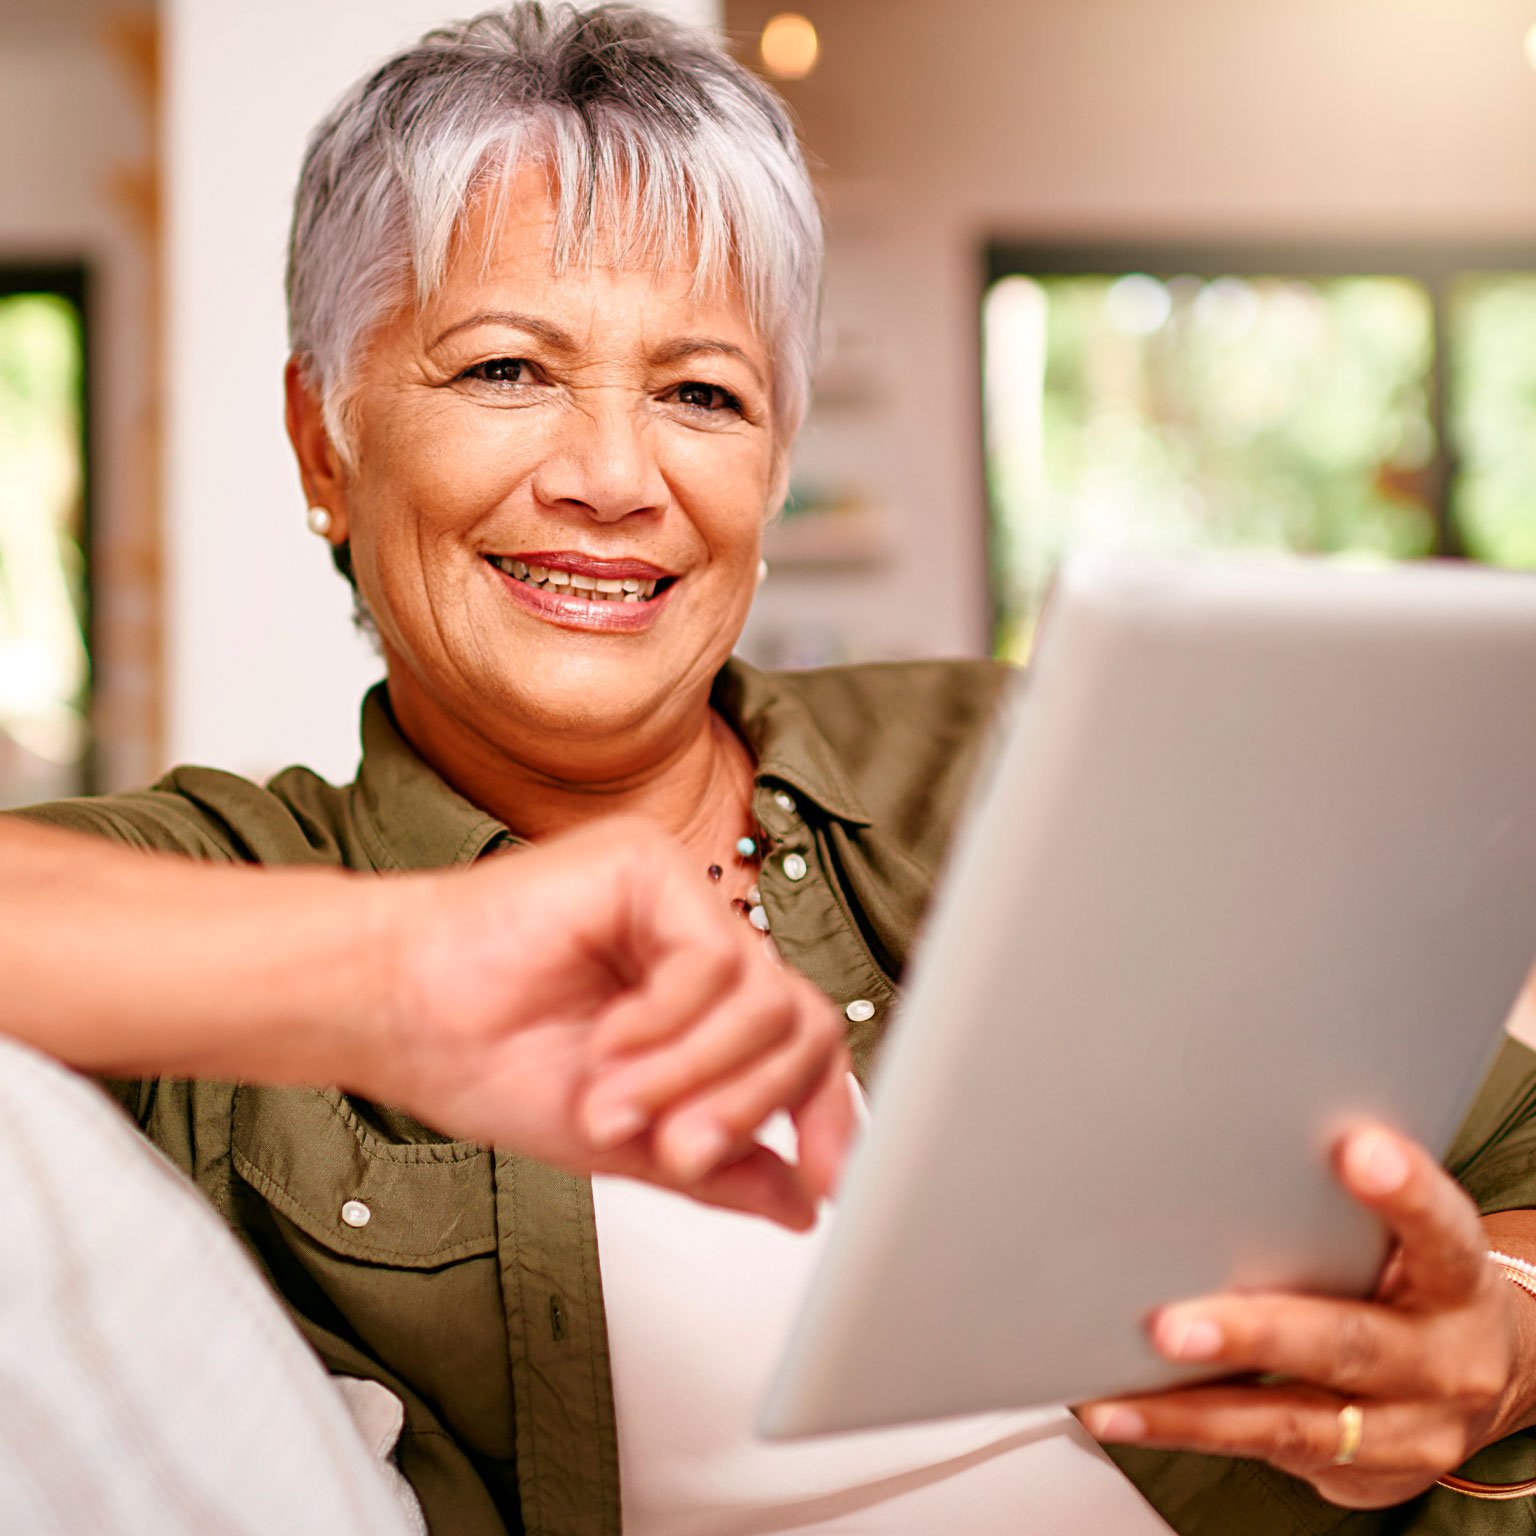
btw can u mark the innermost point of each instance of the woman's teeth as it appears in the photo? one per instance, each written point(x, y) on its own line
point(592, 589)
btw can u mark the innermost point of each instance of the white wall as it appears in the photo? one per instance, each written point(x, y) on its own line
point(264, 668)
point(699, 13)
point(940, 125)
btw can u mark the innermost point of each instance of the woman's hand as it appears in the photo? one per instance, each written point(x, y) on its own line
point(1437, 1363)
point(593, 1003)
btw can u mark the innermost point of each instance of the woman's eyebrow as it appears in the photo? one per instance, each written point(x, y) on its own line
point(674, 351)
point(546, 330)
point(695, 346)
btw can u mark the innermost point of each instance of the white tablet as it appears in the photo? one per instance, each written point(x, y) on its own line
point(1255, 856)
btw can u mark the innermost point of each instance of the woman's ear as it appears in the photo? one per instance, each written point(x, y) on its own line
point(321, 468)
point(778, 486)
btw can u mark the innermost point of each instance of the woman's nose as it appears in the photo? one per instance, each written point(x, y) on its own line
point(602, 465)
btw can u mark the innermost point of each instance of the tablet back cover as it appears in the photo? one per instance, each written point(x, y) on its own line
point(1255, 856)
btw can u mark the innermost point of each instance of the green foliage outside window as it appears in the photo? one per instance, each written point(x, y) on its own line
point(1257, 413)
point(1261, 413)
point(1493, 394)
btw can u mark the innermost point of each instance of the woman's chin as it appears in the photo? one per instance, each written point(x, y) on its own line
point(575, 697)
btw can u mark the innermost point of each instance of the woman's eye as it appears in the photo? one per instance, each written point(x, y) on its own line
point(501, 370)
point(706, 397)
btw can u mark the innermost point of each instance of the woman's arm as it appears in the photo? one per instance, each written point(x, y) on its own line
point(478, 1000)
point(133, 964)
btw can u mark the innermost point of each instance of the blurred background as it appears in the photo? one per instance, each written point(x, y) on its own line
point(1101, 272)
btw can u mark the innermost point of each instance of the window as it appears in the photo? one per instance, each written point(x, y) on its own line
point(1347, 402)
point(45, 670)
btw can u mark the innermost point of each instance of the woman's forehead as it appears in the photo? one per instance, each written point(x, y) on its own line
point(505, 258)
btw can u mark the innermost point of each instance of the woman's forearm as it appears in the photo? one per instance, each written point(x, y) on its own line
point(489, 1002)
point(124, 963)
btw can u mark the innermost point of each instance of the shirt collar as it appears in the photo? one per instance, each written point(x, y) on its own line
point(776, 723)
point(409, 817)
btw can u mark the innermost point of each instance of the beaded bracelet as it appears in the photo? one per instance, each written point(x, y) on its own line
point(1523, 1275)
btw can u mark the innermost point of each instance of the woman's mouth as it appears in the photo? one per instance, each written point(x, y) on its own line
point(578, 592)
point(568, 583)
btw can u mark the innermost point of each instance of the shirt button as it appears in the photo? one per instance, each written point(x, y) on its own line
point(784, 800)
point(794, 866)
point(356, 1214)
point(859, 1010)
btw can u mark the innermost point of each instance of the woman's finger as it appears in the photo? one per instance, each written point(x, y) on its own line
point(669, 998)
point(708, 1129)
point(824, 1125)
point(1402, 1446)
point(684, 951)
point(760, 1183)
point(1349, 1346)
point(746, 1025)
point(1441, 1260)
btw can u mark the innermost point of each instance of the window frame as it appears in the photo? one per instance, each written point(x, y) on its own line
point(1433, 265)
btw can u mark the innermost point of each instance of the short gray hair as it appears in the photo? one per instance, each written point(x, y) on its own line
point(653, 136)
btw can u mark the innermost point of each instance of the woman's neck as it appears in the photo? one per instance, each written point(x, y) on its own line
point(696, 784)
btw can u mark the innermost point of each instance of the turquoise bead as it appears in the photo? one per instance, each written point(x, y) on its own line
point(745, 847)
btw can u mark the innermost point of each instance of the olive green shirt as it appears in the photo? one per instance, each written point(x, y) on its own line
point(474, 1292)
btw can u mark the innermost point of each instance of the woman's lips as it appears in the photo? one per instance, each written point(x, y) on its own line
point(575, 563)
point(572, 610)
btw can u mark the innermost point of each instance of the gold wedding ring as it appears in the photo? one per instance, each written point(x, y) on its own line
point(1351, 1429)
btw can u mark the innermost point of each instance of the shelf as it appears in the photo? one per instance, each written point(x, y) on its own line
point(829, 540)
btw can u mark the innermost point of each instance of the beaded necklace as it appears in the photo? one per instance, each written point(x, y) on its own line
point(749, 851)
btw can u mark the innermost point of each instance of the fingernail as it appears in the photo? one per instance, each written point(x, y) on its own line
point(700, 1151)
point(615, 1123)
point(1183, 1336)
point(1122, 1424)
point(1376, 1164)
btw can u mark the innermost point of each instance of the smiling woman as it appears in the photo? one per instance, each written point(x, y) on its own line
point(553, 294)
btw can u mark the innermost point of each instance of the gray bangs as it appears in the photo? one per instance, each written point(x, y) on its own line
point(655, 142)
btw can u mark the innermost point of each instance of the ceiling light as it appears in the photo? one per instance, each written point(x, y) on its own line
point(790, 46)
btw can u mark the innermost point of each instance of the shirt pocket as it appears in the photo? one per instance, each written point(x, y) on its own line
point(388, 1244)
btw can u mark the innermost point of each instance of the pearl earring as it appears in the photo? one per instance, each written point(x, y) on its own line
point(319, 520)
point(762, 572)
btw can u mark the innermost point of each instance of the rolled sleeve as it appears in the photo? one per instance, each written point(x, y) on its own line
point(155, 820)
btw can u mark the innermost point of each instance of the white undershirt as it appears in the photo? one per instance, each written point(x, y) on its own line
point(699, 1305)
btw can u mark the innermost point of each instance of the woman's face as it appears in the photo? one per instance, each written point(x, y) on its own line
point(559, 490)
